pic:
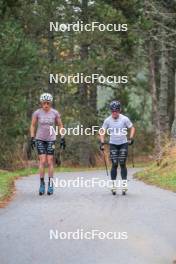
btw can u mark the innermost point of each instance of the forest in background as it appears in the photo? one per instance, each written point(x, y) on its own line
point(30, 52)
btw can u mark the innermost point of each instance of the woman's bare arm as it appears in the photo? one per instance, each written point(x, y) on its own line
point(33, 126)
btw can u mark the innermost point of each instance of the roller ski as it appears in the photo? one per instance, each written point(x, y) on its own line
point(124, 187)
point(42, 188)
point(113, 190)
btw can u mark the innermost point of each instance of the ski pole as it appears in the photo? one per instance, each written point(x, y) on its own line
point(60, 156)
point(35, 153)
point(132, 156)
point(62, 149)
point(105, 163)
point(132, 153)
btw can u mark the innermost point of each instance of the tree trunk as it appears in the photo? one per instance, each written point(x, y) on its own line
point(51, 58)
point(155, 113)
point(84, 144)
point(173, 130)
point(163, 95)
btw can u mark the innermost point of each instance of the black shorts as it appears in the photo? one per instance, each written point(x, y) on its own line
point(118, 152)
point(45, 147)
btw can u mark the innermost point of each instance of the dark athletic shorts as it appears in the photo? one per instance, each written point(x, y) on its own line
point(45, 147)
point(118, 152)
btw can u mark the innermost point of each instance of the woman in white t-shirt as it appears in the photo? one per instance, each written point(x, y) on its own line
point(117, 125)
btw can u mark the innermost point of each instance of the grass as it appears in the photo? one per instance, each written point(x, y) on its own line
point(163, 176)
point(7, 181)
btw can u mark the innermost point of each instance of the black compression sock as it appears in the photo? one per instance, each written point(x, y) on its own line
point(114, 172)
point(50, 183)
point(124, 172)
point(42, 180)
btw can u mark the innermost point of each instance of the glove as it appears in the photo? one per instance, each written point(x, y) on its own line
point(130, 141)
point(102, 146)
point(62, 143)
point(32, 142)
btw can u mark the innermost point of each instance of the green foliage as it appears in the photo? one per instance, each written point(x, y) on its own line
point(17, 66)
point(30, 53)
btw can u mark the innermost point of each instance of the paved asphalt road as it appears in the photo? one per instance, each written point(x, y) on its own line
point(147, 214)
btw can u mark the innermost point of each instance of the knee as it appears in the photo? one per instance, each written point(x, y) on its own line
point(42, 162)
point(123, 157)
point(115, 163)
point(50, 162)
point(122, 162)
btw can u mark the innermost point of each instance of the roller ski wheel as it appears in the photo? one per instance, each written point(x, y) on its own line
point(113, 190)
point(42, 189)
point(124, 191)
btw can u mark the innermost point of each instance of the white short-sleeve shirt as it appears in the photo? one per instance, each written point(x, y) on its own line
point(117, 129)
